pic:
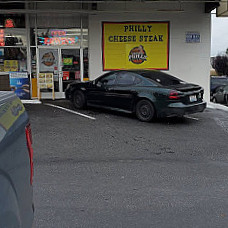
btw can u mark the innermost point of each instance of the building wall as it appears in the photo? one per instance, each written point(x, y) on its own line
point(188, 61)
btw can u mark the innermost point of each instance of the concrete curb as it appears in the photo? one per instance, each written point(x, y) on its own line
point(217, 106)
point(31, 101)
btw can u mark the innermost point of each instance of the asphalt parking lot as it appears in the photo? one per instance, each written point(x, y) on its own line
point(115, 171)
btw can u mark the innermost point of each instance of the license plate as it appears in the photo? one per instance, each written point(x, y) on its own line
point(193, 98)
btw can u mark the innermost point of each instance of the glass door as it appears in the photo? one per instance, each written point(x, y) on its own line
point(49, 63)
point(70, 66)
point(64, 64)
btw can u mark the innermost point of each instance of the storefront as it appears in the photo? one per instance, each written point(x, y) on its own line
point(13, 54)
point(62, 52)
point(172, 37)
point(33, 45)
point(54, 44)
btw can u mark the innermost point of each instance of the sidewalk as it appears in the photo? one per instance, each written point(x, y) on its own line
point(217, 106)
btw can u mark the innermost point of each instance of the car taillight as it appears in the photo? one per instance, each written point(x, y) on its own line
point(28, 134)
point(173, 95)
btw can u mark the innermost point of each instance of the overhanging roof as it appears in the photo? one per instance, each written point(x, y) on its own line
point(222, 10)
point(16, 5)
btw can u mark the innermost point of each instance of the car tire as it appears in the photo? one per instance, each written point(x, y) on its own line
point(226, 99)
point(145, 111)
point(214, 100)
point(79, 99)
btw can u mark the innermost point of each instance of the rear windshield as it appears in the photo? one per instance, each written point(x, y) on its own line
point(218, 81)
point(161, 78)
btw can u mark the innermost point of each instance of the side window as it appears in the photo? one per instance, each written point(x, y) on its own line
point(108, 80)
point(127, 78)
point(137, 80)
point(220, 89)
point(217, 89)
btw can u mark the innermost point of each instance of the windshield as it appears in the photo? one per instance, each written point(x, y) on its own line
point(161, 78)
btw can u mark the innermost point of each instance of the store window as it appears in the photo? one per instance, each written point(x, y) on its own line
point(13, 59)
point(13, 43)
point(12, 21)
point(13, 54)
point(13, 37)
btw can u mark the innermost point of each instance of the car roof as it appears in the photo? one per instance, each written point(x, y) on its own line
point(219, 77)
point(140, 71)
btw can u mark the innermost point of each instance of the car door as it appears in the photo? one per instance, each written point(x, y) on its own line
point(99, 93)
point(219, 94)
point(124, 90)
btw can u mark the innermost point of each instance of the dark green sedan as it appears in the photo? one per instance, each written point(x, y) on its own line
point(147, 93)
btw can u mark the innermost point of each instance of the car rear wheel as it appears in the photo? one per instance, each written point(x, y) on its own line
point(145, 110)
point(226, 99)
point(79, 100)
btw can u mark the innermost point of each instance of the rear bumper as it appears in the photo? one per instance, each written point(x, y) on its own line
point(180, 109)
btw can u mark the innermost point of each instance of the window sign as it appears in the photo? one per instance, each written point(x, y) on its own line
point(10, 65)
point(55, 32)
point(48, 60)
point(58, 40)
point(135, 45)
point(2, 37)
point(9, 23)
point(67, 61)
point(192, 37)
point(66, 75)
point(55, 37)
point(46, 83)
point(19, 83)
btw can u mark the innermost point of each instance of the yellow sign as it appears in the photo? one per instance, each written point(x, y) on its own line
point(45, 81)
point(135, 45)
point(10, 65)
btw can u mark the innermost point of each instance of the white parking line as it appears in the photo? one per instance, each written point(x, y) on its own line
point(192, 118)
point(71, 111)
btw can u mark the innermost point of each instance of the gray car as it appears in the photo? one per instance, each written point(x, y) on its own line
point(16, 164)
point(220, 95)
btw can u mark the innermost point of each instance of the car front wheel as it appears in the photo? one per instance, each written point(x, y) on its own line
point(79, 100)
point(145, 110)
point(214, 100)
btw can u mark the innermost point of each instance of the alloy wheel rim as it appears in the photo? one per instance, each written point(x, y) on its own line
point(78, 100)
